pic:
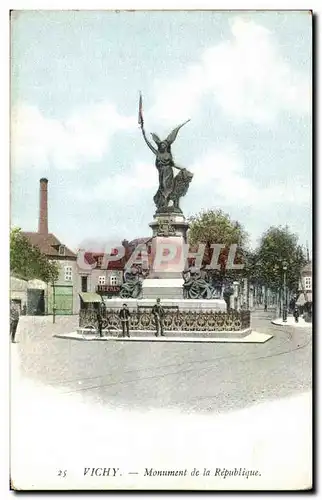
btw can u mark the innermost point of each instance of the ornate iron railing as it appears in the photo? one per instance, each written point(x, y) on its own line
point(142, 319)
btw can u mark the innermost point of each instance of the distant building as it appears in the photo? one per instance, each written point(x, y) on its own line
point(305, 286)
point(64, 294)
point(29, 296)
point(106, 282)
point(18, 293)
point(98, 280)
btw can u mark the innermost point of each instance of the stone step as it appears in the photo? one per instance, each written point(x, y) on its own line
point(252, 338)
point(117, 333)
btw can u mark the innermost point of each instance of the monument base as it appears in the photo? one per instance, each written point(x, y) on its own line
point(182, 304)
point(181, 316)
point(165, 280)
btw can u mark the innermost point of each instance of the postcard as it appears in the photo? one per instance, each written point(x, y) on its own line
point(161, 284)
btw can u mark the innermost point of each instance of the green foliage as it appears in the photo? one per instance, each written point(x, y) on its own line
point(252, 269)
point(215, 226)
point(279, 248)
point(28, 262)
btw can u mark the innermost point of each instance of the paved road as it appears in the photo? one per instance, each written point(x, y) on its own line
point(188, 377)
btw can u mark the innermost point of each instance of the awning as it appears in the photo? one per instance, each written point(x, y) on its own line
point(90, 297)
point(301, 300)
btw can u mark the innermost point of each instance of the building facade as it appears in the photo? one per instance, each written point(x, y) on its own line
point(63, 294)
point(97, 279)
point(305, 298)
point(18, 293)
point(29, 296)
point(106, 282)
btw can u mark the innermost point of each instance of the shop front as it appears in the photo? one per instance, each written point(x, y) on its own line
point(108, 291)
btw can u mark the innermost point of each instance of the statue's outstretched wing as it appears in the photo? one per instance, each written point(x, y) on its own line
point(156, 139)
point(172, 136)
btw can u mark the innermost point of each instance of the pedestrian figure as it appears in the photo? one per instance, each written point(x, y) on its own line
point(158, 313)
point(125, 320)
point(99, 317)
point(14, 320)
point(296, 314)
point(265, 306)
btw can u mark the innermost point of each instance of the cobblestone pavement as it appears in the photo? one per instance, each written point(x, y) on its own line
point(188, 377)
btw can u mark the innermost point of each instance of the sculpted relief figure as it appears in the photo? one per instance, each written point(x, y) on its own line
point(196, 287)
point(132, 285)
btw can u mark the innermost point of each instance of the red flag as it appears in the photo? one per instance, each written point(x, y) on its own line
point(140, 118)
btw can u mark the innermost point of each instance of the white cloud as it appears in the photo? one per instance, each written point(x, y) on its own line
point(246, 76)
point(38, 141)
point(223, 172)
point(129, 185)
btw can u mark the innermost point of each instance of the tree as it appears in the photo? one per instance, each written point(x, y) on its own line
point(28, 262)
point(216, 227)
point(279, 248)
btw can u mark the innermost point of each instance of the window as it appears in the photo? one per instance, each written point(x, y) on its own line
point(101, 280)
point(84, 283)
point(68, 273)
point(308, 283)
point(114, 280)
point(61, 250)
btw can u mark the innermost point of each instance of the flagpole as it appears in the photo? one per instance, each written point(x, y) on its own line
point(140, 117)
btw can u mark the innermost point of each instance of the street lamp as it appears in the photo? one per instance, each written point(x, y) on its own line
point(284, 292)
point(278, 294)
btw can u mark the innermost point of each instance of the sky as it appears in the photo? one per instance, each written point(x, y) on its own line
point(242, 77)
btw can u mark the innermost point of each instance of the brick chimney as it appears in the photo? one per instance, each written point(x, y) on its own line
point(43, 207)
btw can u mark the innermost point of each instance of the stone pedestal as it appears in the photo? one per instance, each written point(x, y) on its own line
point(168, 254)
point(169, 224)
point(163, 288)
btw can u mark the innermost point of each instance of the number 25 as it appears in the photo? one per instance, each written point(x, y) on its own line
point(62, 473)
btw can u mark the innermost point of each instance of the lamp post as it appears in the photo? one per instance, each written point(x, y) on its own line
point(284, 293)
point(278, 292)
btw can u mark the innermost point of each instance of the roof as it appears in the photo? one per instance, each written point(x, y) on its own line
point(307, 268)
point(92, 257)
point(301, 299)
point(140, 241)
point(38, 284)
point(18, 284)
point(89, 257)
point(48, 244)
